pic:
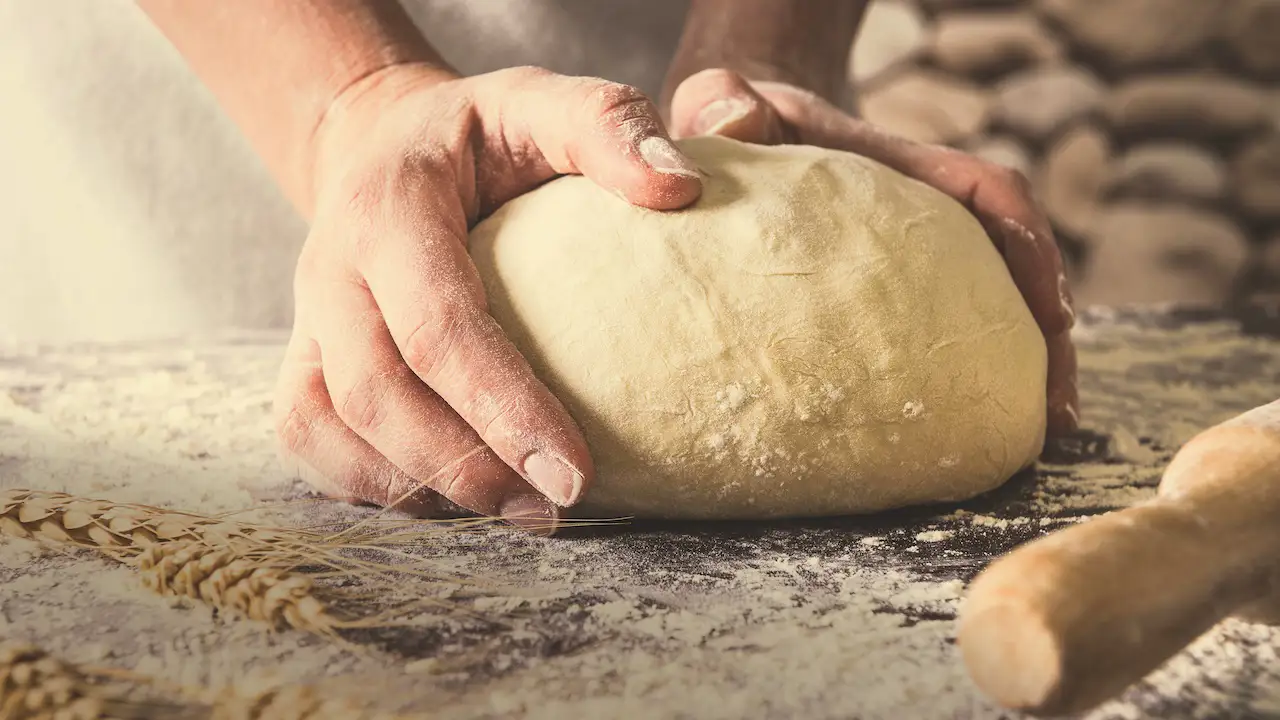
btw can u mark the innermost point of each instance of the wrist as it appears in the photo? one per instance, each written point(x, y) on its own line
point(752, 68)
point(806, 45)
point(277, 67)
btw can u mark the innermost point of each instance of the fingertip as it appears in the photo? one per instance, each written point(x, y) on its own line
point(720, 117)
point(1035, 263)
point(665, 194)
point(649, 171)
point(721, 102)
point(672, 180)
point(665, 158)
point(609, 132)
point(1063, 420)
point(1063, 397)
point(560, 480)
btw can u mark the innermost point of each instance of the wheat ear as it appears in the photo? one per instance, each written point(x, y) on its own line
point(239, 583)
point(35, 686)
point(106, 525)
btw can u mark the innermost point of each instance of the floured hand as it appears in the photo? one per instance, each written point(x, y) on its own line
point(722, 102)
point(398, 384)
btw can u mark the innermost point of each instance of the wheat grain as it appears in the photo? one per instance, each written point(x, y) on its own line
point(234, 566)
point(243, 584)
point(243, 568)
point(120, 527)
point(35, 686)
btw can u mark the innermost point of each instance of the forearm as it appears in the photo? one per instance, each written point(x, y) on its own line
point(802, 43)
point(277, 66)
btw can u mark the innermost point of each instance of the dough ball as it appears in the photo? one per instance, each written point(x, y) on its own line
point(817, 335)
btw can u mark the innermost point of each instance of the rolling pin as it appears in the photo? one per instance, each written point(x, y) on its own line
point(1072, 619)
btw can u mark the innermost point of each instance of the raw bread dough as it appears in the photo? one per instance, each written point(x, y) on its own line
point(817, 335)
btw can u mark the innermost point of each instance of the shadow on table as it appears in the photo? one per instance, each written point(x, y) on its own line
point(897, 532)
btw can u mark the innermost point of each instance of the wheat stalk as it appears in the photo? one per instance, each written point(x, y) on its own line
point(34, 686)
point(120, 527)
point(240, 567)
point(231, 565)
point(123, 530)
point(245, 585)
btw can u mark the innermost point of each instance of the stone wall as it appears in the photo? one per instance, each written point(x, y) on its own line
point(1150, 128)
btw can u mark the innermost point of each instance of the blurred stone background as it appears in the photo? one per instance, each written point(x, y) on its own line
point(1149, 128)
point(131, 206)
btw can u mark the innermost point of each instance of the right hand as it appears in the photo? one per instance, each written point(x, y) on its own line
point(397, 382)
point(721, 102)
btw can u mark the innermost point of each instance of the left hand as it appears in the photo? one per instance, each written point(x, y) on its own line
point(721, 102)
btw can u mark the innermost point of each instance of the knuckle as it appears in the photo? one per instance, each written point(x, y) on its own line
point(609, 95)
point(428, 347)
point(294, 428)
point(293, 409)
point(464, 476)
point(362, 405)
point(614, 104)
point(495, 412)
point(447, 481)
point(386, 485)
point(1014, 180)
point(296, 404)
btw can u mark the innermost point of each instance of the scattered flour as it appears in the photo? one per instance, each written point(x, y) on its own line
point(671, 623)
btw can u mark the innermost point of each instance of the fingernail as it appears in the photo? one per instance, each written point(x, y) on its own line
point(663, 156)
point(532, 512)
point(554, 477)
point(718, 115)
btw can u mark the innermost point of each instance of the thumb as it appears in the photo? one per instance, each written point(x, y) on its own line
point(611, 133)
point(722, 102)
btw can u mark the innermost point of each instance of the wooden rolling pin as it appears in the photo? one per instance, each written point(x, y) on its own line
point(1072, 619)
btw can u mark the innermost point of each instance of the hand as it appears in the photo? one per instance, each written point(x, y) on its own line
point(397, 383)
point(721, 102)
